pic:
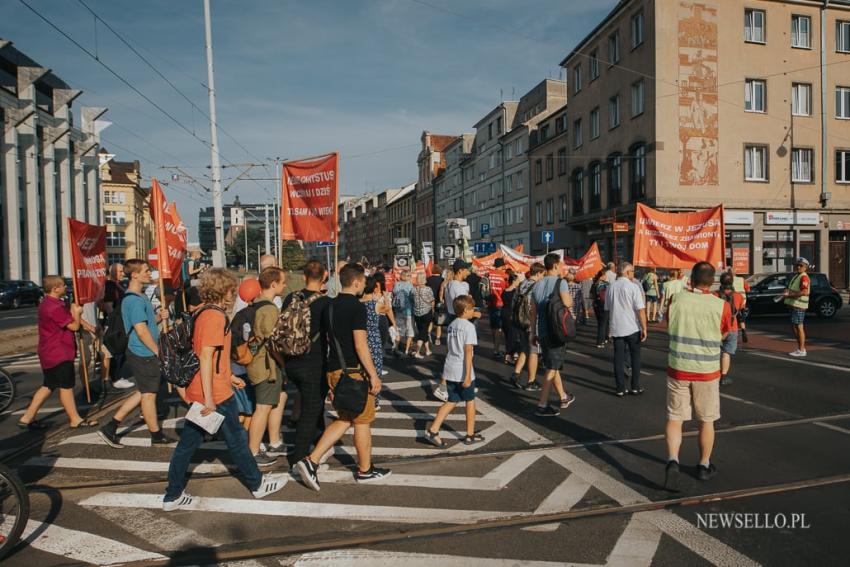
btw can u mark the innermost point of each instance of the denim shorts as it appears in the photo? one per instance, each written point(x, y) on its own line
point(554, 355)
point(798, 316)
point(730, 343)
point(457, 393)
point(495, 316)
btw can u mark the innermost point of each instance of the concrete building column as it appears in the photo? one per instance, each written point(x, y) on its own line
point(63, 164)
point(27, 138)
point(12, 237)
point(79, 190)
point(51, 222)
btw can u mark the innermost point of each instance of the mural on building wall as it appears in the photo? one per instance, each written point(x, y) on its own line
point(698, 145)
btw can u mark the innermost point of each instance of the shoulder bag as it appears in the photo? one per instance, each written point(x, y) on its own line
point(352, 390)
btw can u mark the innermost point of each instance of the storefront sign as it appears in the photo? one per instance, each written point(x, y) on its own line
point(741, 260)
point(791, 217)
point(738, 217)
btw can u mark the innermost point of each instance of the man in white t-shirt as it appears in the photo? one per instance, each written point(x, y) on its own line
point(626, 308)
point(611, 273)
point(456, 287)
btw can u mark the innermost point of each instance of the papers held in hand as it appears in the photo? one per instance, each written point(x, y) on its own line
point(209, 423)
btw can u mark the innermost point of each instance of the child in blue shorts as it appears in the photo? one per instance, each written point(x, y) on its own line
point(458, 373)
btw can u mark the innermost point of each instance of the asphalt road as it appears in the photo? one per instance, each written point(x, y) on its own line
point(582, 488)
point(19, 318)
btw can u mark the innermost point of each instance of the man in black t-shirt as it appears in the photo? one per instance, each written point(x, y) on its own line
point(307, 371)
point(113, 293)
point(435, 282)
point(345, 323)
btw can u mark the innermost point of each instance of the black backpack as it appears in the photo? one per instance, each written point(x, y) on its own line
point(178, 363)
point(242, 350)
point(115, 338)
point(521, 308)
point(562, 325)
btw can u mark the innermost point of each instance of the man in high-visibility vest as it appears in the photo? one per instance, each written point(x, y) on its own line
point(671, 287)
point(697, 324)
point(797, 298)
point(741, 286)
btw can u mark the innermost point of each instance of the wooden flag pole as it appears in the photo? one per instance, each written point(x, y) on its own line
point(79, 336)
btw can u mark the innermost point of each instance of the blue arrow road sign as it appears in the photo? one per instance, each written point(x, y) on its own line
point(485, 229)
point(548, 236)
point(484, 247)
point(325, 244)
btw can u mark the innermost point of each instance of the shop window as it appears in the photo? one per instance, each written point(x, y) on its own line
point(809, 247)
point(778, 251)
point(739, 251)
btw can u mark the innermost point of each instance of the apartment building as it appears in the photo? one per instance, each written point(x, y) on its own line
point(448, 187)
point(125, 209)
point(660, 114)
point(48, 168)
point(363, 227)
point(431, 162)
point(401, 218)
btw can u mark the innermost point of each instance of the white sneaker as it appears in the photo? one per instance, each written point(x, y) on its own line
point(798, 353)
point(122, 384)
point(276, 450)
point(384, 372)
point(183, 501)
point(441, 394)
point(271, 483)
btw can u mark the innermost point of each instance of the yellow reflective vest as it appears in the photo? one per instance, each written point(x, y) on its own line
point(801, 302)
point(738, 284)
point(695, 336)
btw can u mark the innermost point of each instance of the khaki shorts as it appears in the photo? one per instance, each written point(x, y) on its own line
point(368, 415)
point(705, 396)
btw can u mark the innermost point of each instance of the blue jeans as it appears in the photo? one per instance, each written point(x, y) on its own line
point(191, 439)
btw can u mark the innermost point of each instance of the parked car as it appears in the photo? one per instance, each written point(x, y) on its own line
point(14, 293)
point(69, 291)
point(824, 300)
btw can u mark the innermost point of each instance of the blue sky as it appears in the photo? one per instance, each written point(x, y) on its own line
point(299, 78)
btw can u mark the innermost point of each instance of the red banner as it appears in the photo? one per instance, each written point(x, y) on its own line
point(679, 240)
point(309, 204)
point(158, 207)
point(88, 255)
point(588, 265)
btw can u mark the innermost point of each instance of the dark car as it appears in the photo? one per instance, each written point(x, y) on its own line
point(824, 300)
point(14, 293)
point(69, 291)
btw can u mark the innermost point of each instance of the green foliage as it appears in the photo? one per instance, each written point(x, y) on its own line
point(293, 256)
point(236, 251)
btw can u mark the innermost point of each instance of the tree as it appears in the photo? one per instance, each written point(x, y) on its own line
point(236, 252)
point(293, 256)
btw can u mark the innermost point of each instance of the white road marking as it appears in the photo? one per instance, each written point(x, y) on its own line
point(395, 386)
point(833, 427)
point(46, 411)
point(578, 354)
point(637, 545)
point(323, 510)
point(155, 529)
point(370, 558)
point(118, 465)
point(564, 497)
point(82, 546)
point(755, 404)
point(799, 361)
point(510, 424)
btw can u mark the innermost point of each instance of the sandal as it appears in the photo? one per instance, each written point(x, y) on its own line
point(84, 424)
point(474, 438)
point(34, 425)
point(434, 438)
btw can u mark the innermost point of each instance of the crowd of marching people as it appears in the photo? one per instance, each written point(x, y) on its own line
point(248, 345)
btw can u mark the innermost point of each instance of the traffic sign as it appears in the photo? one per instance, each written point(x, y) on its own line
point(484, 247)
point(325, 244)
point(548, 236)
point(620, 227)
point(448, 252)
point(485, 229)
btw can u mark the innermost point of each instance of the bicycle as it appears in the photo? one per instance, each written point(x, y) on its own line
point(14, 509)
point(7, 390)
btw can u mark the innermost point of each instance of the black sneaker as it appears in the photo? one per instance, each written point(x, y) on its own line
point(264, 460)
point(532, 387)
point(514, 381)
point(567, 401)
point(374, 474)
point(744, 336)
point(671, 476)
point(706, 473)
point(548, 411)
point(307, 471)
point(159, 438)
point(110, 436)
point(725, 381)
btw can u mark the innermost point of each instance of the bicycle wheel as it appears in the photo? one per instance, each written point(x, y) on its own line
point(14, 509)
point(7, 390)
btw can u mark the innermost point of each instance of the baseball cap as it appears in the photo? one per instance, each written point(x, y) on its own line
point(498, 262)
point(249, 289)
point(802, 260)
point(461, 265)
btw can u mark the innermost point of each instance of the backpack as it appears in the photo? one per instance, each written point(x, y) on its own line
point(647, 285)
point(601, 290)
point(521, 309)
point(115, 338)
point(244, 344)
point(178, 363)
point(401, 300)
point(291, 334)
point(562, 325)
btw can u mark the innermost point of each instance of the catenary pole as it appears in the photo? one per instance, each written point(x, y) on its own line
point(218, 256)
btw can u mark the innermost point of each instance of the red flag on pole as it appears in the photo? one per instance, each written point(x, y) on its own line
point(88, 255)
point(309, 203)
point(158, 207)
point(176, 237)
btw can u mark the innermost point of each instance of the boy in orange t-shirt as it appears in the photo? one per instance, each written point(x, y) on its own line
point(211, 387)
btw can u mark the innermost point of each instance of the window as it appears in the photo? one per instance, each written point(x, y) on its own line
point(509, 183)
point(538, 213)
point(801, 31)
point(519, 181)
point(499, 125)
point(594, 65)
point(614, 111)
point(801, 99)
point(638, 98)
point(842, 166)
point(578, 192)
point(637, 29)
point(562, 208)
point(754, 26)
point(117, 238)
point(595, 186)
point(562, 161)
point(550, 167)
point(560, 125)
point(615, 179)
point(755, 163)
point(544, 133)
point(613, 49)
point(577, 133)
point(113, 258)
point(520, 213)
point(754, 95)
point(107, 196)
point(509, 150)
point(494, 189)
point(114, 217)
point(842, 102)
point(637, 170)
point(842, 36)
point(490, 131)
point(550, 211)
point(538, 172)
point(519, 147)
point(801, 165)
point(576, 78)
point(594, 123)
point(492, 161)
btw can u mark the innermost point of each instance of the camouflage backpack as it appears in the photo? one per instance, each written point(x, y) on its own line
point(291, 334)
